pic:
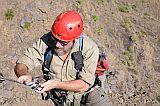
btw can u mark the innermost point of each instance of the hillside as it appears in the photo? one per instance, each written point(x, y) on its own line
point(128, 30)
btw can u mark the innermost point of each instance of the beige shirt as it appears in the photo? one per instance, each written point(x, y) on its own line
point(64, 71)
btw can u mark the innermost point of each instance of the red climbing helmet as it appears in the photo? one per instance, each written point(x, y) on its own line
point(67, 26)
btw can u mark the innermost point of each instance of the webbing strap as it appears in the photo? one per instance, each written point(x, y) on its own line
point(80, 49)
point(46, 64)
point(81, 43)
point(48, 58)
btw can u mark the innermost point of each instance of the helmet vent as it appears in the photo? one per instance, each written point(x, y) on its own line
point(58, 19)
point(58, 35)
point(78, 26)
point(70, 28)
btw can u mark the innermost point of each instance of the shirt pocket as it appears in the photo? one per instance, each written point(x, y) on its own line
point(71, 71)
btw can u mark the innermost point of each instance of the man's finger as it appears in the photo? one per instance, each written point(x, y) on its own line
point(39, 88)
point(41, 91)
point(44, 84)
point(20, 80)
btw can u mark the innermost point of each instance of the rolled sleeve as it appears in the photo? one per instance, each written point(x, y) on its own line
point(27, 61)
point(33, 56)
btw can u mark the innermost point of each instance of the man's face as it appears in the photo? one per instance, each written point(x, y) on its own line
point(63, 47)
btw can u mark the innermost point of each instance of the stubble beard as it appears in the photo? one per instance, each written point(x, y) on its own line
point(62, 51)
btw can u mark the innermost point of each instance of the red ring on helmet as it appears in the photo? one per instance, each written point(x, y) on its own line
point(67, 26)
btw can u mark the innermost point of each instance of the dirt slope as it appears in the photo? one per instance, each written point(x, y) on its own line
point(128, 30)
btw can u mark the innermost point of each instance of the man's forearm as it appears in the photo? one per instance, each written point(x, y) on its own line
point(21, 69)
point(75, 85)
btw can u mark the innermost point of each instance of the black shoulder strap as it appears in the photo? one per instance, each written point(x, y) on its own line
point(47, 39)
point(79, 66)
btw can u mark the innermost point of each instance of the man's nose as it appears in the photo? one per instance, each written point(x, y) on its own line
point(58, 44)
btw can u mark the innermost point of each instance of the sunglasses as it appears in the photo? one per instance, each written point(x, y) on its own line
point(63, 43)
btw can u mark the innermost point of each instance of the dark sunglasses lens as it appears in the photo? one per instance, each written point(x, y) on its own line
point(63, 43)
point(55, 40)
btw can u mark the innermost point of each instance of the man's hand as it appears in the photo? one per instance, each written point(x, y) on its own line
point(25, 79)
point(50, 84)
point(74, 86)
point(21, 71)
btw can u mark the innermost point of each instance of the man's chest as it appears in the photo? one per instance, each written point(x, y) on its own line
point(63, 70)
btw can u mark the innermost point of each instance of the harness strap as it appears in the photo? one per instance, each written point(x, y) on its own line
point(81, 43)
point(46, 64)
point(80, 49)
point(48, 55)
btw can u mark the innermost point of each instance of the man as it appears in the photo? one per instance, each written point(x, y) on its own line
point(65, 32)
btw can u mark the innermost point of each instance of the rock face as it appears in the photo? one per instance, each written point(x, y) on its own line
point(129, 31)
